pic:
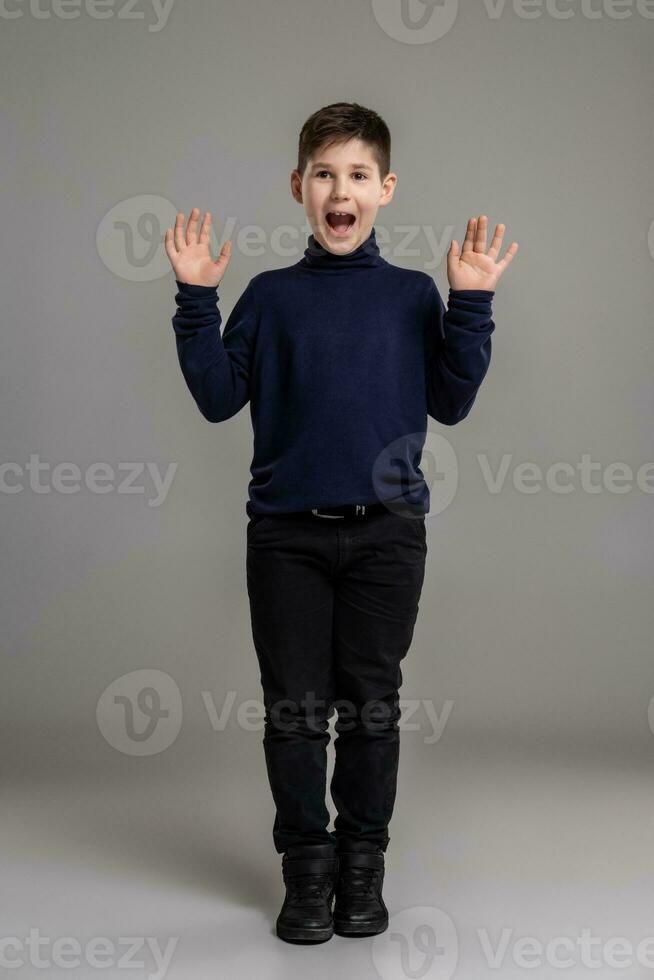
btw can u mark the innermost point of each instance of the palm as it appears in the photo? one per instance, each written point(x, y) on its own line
point(190, 255)
point(474, 267)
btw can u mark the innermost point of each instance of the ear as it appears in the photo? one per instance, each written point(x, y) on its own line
point(296, 186)
point(388, 189)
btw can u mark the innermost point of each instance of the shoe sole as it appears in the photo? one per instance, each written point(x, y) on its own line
point(345, 928)
point(304, 936)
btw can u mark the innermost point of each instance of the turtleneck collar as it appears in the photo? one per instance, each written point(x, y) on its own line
point(365, 256)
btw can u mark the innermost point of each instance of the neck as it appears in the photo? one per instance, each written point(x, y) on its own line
point(367, 255)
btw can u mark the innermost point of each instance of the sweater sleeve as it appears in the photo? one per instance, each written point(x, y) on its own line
point(216, 368)
point(458, 350)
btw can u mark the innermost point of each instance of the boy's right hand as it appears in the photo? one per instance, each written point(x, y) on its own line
point(189, 253)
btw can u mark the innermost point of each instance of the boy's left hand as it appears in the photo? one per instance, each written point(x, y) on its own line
point(474, 267)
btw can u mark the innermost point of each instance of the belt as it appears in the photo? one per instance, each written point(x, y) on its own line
point(359, 510)
point(346, 510)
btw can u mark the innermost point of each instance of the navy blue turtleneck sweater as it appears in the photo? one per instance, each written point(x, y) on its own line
point(341, 357)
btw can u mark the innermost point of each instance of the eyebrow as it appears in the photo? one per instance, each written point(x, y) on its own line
point(356, 166)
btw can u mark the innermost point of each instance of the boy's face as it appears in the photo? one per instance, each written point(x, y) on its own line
point(342, 177)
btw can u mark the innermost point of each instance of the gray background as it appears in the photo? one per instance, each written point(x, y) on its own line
point(530, 811)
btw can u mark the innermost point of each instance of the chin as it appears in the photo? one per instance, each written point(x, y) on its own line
point(340, 243)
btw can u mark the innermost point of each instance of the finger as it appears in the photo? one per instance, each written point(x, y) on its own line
point(192, 226)
point(496, 244)
point(508, 256)
point(205, 228)
point(470, 235)
point(179, 231)
point(169, 245)
point(452, 258)
point(480, 238)
point(225, 254)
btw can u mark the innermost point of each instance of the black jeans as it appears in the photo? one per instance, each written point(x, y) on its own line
point(333, 605)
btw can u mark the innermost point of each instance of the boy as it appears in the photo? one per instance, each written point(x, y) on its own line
point(342, 356)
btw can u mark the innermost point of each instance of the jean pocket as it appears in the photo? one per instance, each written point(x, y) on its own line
point(418, 524)
point(254, 524)
point(415, 526)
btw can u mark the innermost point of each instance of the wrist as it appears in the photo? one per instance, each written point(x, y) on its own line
point(484, 294)
point(196, 289)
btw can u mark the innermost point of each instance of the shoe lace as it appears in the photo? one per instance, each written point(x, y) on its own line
point(309, 886)
point(358, 882)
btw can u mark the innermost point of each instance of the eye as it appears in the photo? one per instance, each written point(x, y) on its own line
point(357, 174)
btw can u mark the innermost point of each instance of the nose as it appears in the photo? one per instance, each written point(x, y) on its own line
point(339, 191)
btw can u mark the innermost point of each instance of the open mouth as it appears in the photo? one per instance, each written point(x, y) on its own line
point(340, 222)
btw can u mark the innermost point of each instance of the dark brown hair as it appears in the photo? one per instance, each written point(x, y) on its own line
point(340, 122)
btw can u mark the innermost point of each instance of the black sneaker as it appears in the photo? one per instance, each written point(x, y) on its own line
point(310, 872)
point(359, 909)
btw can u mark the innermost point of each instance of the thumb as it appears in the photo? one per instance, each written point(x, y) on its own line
point(225, 254)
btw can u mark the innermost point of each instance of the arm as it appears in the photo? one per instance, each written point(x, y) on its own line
point(457, 341)
point(216, 369)
point(458, 350)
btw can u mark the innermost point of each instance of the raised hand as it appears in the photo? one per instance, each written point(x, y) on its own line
point(474, 267)
point(189, 253)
